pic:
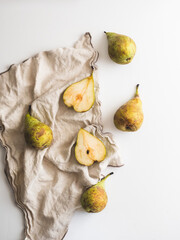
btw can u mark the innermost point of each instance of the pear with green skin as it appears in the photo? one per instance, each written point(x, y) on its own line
point(37, 134)
point(129, 117)
point(121, 48)
point(94, 199)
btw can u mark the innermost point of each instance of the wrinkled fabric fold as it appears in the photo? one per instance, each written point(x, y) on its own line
point(47, 184)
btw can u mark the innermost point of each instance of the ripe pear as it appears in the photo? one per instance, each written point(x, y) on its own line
point(37, 134)
point(80, 95)
point(94, 199)
point(121, 48)
point(129, 117)
point(89, 148)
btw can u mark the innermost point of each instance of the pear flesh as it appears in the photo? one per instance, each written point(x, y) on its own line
point(80, 95)
point(94, 199)
point(121, 48)
point(37, 134)
point(89, 148)
point(129, 117)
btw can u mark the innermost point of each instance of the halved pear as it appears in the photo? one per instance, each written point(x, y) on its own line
point(89, 148)
point(80, 95)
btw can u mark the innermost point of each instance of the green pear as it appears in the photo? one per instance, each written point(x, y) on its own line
point(129, 117)
point(94, 199)
point(121, 48)
point(80, 95)
point(37, 134)
point(89, 148)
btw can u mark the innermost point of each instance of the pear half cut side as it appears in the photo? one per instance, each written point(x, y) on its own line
point(80, 95)
point(89, 148)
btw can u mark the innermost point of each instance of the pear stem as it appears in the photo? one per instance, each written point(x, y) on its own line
point(92, 72)
point(29, 109)
point(137, 93)
point(105, 32)
point(104, 178)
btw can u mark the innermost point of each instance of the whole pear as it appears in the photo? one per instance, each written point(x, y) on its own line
point(94, 199)
point(129, 117)
point(121, 48)
point(37, 134)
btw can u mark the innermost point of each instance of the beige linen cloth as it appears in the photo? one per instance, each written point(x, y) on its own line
point(47, 184)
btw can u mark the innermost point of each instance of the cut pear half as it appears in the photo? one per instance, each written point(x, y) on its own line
point(80, 95)
point(89, 148)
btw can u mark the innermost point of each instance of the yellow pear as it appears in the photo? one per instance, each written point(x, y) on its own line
point(129, 117)
point(37, 134)
point(80, 95)
point(94, 199)
point(89, 148)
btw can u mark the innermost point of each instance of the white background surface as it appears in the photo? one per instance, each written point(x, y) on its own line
point(144, 195)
